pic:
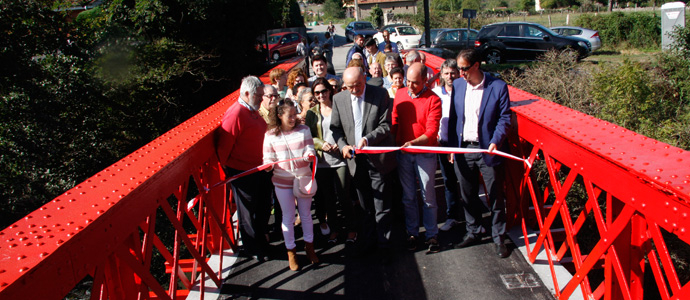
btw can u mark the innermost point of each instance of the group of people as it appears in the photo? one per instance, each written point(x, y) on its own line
point(298, 121)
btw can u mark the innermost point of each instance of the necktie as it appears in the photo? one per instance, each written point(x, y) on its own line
point(357, 113)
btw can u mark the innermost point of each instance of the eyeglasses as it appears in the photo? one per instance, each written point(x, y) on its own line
point(316, 93)
point(271, 95)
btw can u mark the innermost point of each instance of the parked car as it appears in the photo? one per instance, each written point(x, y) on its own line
point(432, 32)
point(283, 44)
point(522, 41)
point(588, 34)
point(454, 39)
point(405, 36)
point(359, 27)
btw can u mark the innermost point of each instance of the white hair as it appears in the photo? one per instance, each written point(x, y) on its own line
point(250, 84)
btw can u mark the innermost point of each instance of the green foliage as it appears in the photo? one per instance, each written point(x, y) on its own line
point(376, 16)
point(641, 99)
point(333, 10)
point(638, 30)
point(76, 97)
point(471, 4)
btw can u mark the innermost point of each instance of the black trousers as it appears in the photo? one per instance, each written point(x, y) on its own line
point(373, 191)
point(252, 193)
point(467, 168)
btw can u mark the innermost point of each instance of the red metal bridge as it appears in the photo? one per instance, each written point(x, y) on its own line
point(635, 198)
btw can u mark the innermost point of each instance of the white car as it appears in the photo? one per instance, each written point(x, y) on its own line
point(405, 36)
point(588, 34)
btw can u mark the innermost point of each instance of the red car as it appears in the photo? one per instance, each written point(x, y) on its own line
point(283, 44)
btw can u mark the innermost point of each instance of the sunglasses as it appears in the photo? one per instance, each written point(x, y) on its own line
point(316, 93)
point(465, 69)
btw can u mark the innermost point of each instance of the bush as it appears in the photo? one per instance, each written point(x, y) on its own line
point(558, 77)
point(637, 30)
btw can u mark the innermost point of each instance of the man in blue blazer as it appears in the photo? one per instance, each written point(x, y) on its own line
point(480, 118)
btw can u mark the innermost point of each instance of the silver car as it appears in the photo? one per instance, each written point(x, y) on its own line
point(588, 34)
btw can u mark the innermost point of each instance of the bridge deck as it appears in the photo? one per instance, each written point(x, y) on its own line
point(469, 273)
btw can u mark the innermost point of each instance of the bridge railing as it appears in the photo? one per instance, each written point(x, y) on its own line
point(635, 194)
point(140, 229)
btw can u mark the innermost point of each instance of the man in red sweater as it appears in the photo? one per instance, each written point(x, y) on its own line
point(416, 117)
point(240, 148)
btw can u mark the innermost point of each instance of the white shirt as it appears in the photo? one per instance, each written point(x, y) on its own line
point(473, 100)
point(357, 112)
point(445, 111)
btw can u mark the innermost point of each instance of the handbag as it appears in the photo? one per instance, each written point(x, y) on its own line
point(302, 186)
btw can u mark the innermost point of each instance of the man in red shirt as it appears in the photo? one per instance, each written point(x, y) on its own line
point(416, 117)
point(240, 148)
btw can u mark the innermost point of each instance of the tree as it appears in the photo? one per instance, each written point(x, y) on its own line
point(76, 97)
point(376, 16)
point(471, 4)
point(333, 10)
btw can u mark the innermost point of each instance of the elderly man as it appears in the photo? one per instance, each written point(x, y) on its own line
point(387, 41)
point(270, 99)
point(361, 117)
point(415, 119)
point(449, 72)
point(320, 68)
point(480, 119)
point(240, 148)
point(376, 73)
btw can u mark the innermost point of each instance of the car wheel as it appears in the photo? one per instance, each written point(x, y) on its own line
point(400, 46)
point(276, 56)
point(494, 57)
point(347, 38)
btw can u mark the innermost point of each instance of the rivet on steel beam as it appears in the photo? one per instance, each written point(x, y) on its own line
point(13, 245)
point(28, 244)
point(46, 216)
point(21, 257)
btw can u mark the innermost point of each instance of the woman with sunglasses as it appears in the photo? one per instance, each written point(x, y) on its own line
point(332, 177)
point(285, 139)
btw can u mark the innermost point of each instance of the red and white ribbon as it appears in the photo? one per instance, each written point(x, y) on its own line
point(446, 150)
point(263, 167)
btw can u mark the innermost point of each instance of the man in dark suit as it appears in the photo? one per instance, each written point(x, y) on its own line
point(362, 117)
point(480, 118)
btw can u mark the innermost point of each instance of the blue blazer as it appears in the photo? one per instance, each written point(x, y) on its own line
point(494, 116)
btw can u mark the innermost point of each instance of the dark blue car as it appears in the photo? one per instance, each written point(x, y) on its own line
point(359, 27)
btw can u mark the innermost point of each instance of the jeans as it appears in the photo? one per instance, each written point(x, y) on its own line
point(450, 182)
point(422, 168)
point(287, 205)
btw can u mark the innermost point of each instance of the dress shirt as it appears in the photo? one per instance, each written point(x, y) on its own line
point(445, 107)
point(473, 100)
point(357, 111)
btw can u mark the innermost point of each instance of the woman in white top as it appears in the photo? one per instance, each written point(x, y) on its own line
point(287, 139)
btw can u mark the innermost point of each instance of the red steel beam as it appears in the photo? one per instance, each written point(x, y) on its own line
point(44, 255)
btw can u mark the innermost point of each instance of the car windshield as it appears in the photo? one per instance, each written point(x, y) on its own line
point(433, 33)
point(363, 26)
point(548, 31)
point(406, 30)
point(274, 39)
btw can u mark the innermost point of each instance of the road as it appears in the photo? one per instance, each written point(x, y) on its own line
point(340, 48)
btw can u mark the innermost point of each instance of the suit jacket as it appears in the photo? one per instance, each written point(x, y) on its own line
point(494, 116)
point(376, 125)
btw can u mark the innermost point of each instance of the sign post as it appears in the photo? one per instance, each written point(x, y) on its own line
point(469, 14)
